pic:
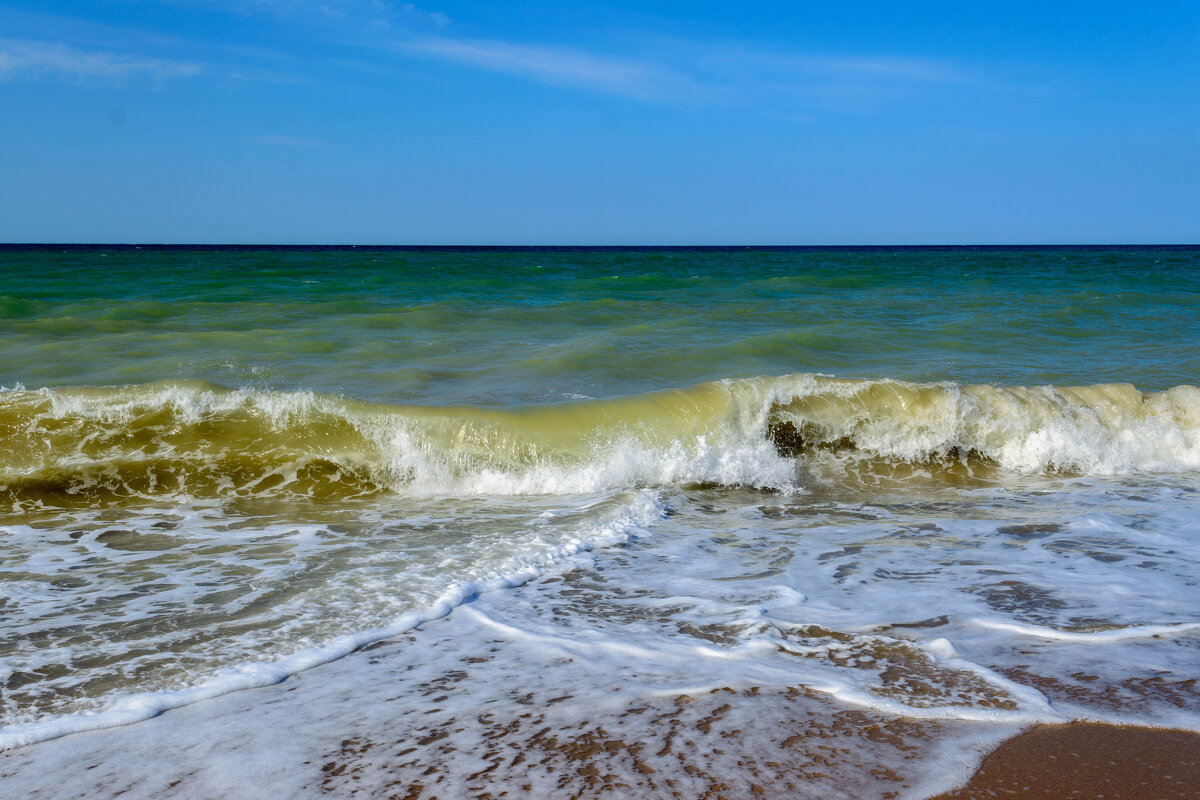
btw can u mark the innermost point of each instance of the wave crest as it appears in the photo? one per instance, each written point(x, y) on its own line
point(77, 446)
point(1103, 429)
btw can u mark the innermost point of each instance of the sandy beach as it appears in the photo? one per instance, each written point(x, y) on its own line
point(1086, 761)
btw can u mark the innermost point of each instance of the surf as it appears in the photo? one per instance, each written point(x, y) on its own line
point(72, 446)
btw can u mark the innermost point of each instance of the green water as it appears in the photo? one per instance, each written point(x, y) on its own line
point(503, 327)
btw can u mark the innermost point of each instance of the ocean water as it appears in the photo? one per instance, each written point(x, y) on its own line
point(958, 486)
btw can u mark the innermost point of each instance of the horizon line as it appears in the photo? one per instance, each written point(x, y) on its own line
point(580, 247)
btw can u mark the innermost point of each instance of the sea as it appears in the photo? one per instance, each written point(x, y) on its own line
point(899, 502)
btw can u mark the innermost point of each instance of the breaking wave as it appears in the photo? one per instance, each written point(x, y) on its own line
point(76, 446)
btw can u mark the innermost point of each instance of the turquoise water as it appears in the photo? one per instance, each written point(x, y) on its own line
point(501, 327)
point(928, 482)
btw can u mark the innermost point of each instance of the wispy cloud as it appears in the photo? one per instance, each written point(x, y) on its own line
point(31, 59)
point(918, 70)
point(704, 72)
point(558, 66)
point(645, 67)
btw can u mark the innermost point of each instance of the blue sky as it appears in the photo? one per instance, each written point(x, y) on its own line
point(378, 122)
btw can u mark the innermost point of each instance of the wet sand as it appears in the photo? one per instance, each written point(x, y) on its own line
point(1082, 761)
point(1078, 761)
point(471, 706)
point(791, 745)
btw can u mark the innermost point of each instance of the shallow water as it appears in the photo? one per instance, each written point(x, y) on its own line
point(223, 467)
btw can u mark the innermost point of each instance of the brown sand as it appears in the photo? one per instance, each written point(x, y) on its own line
point(1084, 761)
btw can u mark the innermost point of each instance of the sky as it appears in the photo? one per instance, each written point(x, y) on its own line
point(774, 123)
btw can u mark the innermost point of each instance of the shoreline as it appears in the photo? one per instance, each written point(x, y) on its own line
point(697, 747)
point(459, 708)
point(545, 690)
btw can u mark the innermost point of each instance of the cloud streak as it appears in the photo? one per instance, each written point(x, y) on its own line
point(556, 66)
point(646, 68)
point(32, 60)
point(691, 71)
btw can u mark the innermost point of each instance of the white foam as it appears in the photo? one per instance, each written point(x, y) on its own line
point(495, 689)
point(189, 401)
point(614, 464)
point(644, 510)
point(1096, 430)
point(1088, 637)
point(872, 605)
